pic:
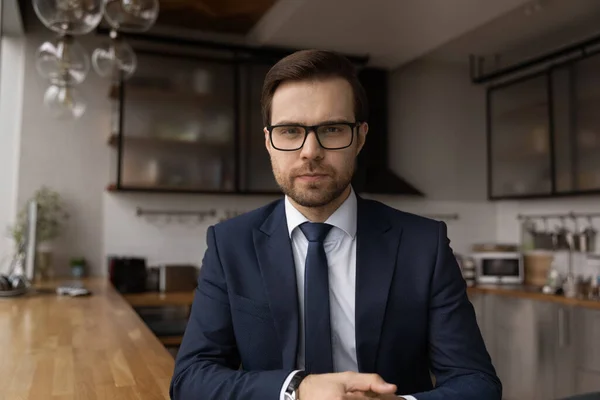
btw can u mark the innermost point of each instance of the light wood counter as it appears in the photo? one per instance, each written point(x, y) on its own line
point(533, 294)
point(96, 347)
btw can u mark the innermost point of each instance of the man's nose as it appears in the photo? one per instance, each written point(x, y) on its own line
point(312, 149)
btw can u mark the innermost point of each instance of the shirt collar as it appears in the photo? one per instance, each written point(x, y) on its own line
point(343, 218)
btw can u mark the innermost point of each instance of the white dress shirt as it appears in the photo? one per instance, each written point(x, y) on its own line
point(340, 249)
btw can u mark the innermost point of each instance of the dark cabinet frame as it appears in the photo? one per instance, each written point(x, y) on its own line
point(549, 73)
point(238, 102)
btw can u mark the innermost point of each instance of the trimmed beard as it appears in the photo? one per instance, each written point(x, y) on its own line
point(315, 194)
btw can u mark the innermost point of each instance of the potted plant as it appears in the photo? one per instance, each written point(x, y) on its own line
point(78, 267)
point(51, 216)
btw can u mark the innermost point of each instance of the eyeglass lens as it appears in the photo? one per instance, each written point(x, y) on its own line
point(291, 137)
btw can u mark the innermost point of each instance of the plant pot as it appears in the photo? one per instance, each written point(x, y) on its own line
point(78, 270)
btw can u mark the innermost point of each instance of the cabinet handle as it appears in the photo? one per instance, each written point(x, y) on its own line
point(563, 329)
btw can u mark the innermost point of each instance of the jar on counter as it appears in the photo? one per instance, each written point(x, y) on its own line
point(584, 287)
point(467, 266)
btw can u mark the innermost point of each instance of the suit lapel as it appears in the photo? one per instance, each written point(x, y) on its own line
point(377, 249)
point(274, 252)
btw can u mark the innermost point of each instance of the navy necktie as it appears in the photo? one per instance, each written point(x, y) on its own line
point(317, 324)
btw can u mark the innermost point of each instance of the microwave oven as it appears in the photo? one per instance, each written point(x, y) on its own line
point(499, 267)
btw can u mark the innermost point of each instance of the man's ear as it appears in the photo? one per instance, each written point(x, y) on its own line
point(267, 141)
point(361, 137)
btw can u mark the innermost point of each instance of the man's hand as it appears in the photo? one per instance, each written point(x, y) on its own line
point(372, 395)
point(343, 386)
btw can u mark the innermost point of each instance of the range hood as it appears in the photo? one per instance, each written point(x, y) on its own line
point(373, 174)
point(381, 180)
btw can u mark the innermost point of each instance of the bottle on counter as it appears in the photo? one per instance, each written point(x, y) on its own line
point(595, 288)
point(570, 286)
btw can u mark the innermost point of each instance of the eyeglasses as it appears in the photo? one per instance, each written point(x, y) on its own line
point(331, 136)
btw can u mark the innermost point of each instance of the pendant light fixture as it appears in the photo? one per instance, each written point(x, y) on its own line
point(117, 59)
point(64, 63)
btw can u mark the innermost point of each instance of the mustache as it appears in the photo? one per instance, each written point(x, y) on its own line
point(312, 169)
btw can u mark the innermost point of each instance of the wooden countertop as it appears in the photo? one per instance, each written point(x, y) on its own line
point(157, 299)
point(533, 294)
point(96, 347)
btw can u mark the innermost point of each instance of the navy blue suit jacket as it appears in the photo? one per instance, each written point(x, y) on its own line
point(412, 311)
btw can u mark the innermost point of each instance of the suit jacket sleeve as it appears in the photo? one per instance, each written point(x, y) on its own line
point(208, 363)
point(459, 359)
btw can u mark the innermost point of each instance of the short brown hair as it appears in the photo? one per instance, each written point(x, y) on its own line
point(313, 64)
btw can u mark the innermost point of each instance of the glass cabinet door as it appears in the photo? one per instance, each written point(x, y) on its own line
point(578, 141)
point(178, 129)
point(519, 139)
point(255, 169)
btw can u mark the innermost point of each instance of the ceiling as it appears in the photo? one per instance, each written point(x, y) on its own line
point(391, 32)
point(221, 16)
point(527, 31)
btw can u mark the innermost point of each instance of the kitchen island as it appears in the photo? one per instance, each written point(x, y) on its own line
point(94, 347)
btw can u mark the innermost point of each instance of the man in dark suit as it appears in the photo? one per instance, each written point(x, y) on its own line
point(324, 295)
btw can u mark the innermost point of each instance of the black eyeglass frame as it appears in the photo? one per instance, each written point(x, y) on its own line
point(313, 128)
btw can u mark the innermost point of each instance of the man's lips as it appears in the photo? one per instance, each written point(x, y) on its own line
point(311, 174)
point(311, 177)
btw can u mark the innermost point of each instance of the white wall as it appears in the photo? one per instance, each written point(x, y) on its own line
point(11, 101)
point(163, 240)
point(438, 142)
point(70, 157)
point(437, 130)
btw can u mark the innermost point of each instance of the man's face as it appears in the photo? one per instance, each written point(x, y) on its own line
point(313, 176)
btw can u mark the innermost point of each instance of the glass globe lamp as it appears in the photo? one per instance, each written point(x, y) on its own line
point(131, 15)
point(64, 102)
point(62, 60)
point(75, 17)
point(115, 59)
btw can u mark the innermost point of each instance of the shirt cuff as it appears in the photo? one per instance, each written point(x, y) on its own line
point(408, 397)
point(286, 383)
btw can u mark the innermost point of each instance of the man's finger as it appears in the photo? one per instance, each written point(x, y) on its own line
point(369, 394)
point(354, 396)
point(368, 382)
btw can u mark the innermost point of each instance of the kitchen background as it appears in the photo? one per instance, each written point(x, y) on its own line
point(153, 162)
point(436, 129)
